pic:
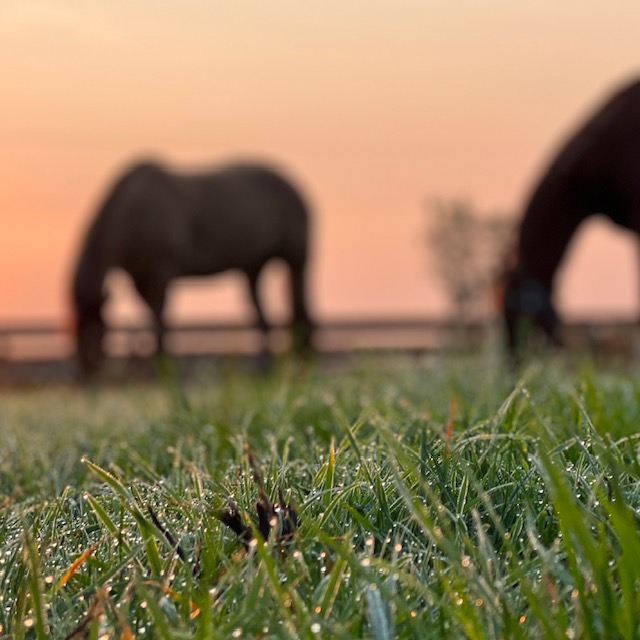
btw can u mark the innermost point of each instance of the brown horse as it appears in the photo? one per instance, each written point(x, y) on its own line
point(158, 225)
point(597, 171)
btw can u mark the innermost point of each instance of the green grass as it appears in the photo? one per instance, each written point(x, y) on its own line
point(441, 498)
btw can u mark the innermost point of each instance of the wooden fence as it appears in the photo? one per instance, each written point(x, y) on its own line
point(47, 341)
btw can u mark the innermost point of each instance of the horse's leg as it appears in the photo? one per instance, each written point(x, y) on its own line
point(154, 293)
point(261, 320)
point(302, 324)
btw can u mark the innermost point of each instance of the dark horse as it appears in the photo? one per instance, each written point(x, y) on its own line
point(157, 226)
point(597, 171)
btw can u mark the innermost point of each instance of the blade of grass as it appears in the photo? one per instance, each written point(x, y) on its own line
point(332, 587)
point(36, 584)
point(330, 472)
point(129, 502)
point(103, 517)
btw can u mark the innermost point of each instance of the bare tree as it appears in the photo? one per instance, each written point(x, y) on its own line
point(467, 251)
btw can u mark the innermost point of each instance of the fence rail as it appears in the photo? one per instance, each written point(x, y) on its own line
point(49, 341)
point(37, 353)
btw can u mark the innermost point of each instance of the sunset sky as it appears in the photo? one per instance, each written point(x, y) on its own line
point(375, 108)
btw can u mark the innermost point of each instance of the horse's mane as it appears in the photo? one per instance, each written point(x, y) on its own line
point(93, 260)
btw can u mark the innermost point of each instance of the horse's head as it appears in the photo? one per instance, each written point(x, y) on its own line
point(528, 312)
point(89, 333)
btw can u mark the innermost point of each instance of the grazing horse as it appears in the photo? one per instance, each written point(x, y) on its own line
point(597, 171)
point(158, 225)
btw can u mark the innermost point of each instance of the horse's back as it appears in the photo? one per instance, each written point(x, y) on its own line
point(237, 216)
point(253, 213)
point(247, 192)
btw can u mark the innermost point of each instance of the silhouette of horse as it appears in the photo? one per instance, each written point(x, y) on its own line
point(158, 225)
point(597, 171)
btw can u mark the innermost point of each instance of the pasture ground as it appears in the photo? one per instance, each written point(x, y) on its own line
point(435, 498)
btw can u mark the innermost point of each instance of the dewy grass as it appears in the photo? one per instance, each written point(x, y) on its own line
point(435, 498)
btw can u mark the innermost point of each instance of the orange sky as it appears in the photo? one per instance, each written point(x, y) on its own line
point(375, 107)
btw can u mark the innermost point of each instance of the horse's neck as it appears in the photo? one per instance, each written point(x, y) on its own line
point(96, 257)
point(552, 217)
point(91, 269)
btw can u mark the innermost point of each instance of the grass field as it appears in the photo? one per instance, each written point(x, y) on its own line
point(442, 498)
